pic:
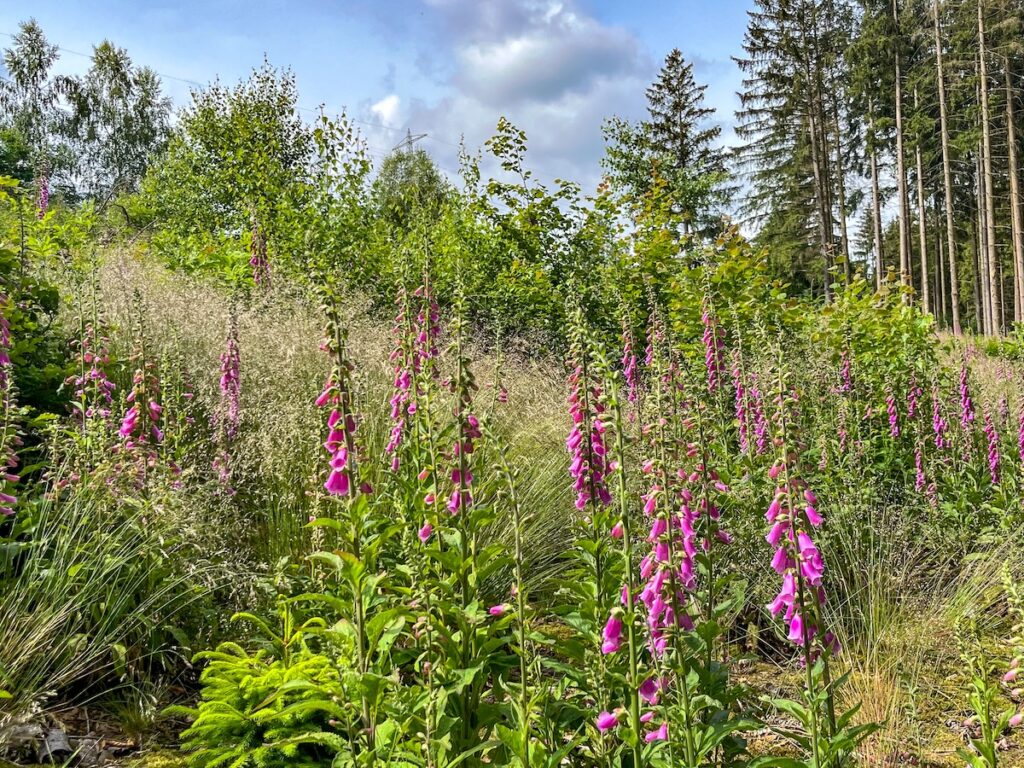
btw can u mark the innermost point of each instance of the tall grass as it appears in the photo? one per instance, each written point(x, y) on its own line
point(84, 594)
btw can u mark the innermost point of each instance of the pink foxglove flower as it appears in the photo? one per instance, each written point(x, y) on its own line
point(231, 385)
point(914, 394)
point(761, 435)
point(939, 426)
point(42, 195)
point(992, 438)
point(607, 721)
point(845, 379)
point(740, 401)
point(259, 260)
point(966, 404)
point(629, 366)
point(586, 444)
point(797, 560)
point(612, 635)
point(661, 734)
point(712, 339)
point(894, 415)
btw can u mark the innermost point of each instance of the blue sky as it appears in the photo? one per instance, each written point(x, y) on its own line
point(448, 68)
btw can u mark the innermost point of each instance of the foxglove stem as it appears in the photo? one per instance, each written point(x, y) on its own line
point(992, 438)
point(966, 404)
point(9, 439)
point(42, 194)
point(797, 557)
point(663, 379)
point(740, 392)
point(633, 680)
point(343, 479)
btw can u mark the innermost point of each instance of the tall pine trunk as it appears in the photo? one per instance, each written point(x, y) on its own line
point(876, 201)
point(922, 232)
point(982, 253)
point(995, 310)
point(844, 235)
point(1016, 225)
point(947, 180)
point(901, 171)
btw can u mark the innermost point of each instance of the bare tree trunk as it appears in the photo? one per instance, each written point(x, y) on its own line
point(947, 180)
point(901, 171)
point(982, 254)
point(940, 273)
point(844, 235)
point(876, 202)
point(922, 232)
point(1017, 226)
point(990, 219)
point(979, 297)
point(815, 129)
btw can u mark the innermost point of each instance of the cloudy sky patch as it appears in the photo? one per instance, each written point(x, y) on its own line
point(447, 68)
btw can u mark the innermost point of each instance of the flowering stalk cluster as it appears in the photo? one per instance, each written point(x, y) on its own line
point(259, 260)
point(141, 423)
point(740, 391)
point(992, 438)
point(94, 392)
point(793, 515)
point(231, 383)
point(914, 394)
point(966, 404)
point(845, 379)
point(586, 442)
point(9, 438)
point(42, 195)
point(760, 418)
point(416, 346)
point(629, 369)
point(713, 349)
point(894, 414)
point(939, 426)
point(341, 422)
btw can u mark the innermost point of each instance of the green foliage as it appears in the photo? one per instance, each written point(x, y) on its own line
point(269, 709)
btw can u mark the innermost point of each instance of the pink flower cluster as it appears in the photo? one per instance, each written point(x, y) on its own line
point(259, 261)
point(342, 427)
point(404, 362)
point(5, 343)
point(410, 357)
point(914, 394)
point(1020, 433)
point(231, 385)
point(992, 438)
point(141, 422)
point(713, 349)
point(461, 496)
point(939, 425)
point(793, 514)
point(845, 379)
point(759, 417)
point(740, 401)
point(629, 368)
point(586, 443)
point(894, 414)
point(91, 385)
point(966, 405)
point(9, 440)
point(43, 195)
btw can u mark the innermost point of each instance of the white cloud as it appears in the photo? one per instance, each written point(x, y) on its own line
point(553, 70)
point(386, 109)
